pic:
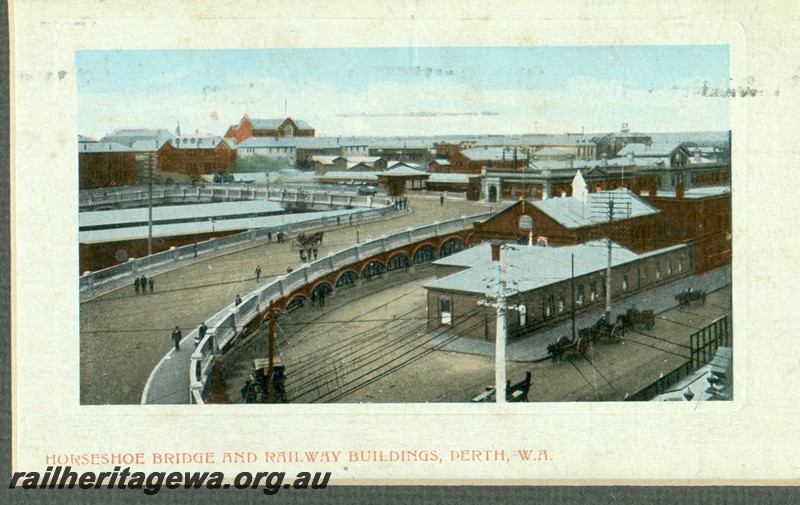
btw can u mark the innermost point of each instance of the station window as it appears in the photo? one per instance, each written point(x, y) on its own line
point(669, 266)
point(523, 315)
point(446, 310)
point(624, 282)
point(680, 264)
point(658, 270)
point(579, 295)
point(592, 290)
point(561, 301)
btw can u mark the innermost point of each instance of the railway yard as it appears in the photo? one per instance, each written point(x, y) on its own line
point(370, 345)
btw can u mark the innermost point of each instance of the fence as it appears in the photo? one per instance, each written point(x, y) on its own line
point(228, 323)
point(704, 344)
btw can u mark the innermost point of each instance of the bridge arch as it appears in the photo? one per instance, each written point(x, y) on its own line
point(297, 301)
point(425, 253)
point(450, 246)
point(399, 260)
point(372, 268)
point(346, 278)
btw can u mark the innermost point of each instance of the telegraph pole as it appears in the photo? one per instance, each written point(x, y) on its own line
point(500, 296)
point(572, 278)
point(271, 362)
point(608, 267)
point(150, 205)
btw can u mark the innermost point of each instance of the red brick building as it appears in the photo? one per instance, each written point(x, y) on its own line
point(702, 215)
point(636, 225)
point(196, 155)
point(103, 164)
point(269, 128)
point(472, 161)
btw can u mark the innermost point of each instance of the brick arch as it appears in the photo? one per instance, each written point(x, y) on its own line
point(342, 273)
point(319, 283)
point(420, 246)
point(442, 240)
point(297, 294)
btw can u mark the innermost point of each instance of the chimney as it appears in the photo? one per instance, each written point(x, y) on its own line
point(679, 193)
point(495, 251)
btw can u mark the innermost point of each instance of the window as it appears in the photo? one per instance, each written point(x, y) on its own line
point(669, 266)
point(658, 270)
point(624, 282)
point(547, 306)
point(680, 264)
point(288, 130)
point(592, 290)
point(579, 295)
point(523, 315)
point(445, 310)
point(561, 301)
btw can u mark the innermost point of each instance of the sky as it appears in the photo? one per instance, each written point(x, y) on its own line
point(407, 91)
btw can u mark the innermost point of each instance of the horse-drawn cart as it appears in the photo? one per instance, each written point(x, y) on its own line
point(563, 346)
point(690, 296)
point(602, 329)
point(634, 318)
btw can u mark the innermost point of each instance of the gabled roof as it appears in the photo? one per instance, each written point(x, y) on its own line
point(403, 170)
point(573, 213)
point(274, 124)
point(531, 267)
point(443, 163)
point(654, 150)
point(83, 138)
point(141, 139)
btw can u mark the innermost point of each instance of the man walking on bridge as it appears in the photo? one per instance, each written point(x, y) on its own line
point(176, 337)
point(258, 272)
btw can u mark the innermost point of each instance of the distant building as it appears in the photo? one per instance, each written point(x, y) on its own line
point(287, 128)
point(196, 155)
point(669, 155)
point(610, 145)
point(269, 147)
point(474, 160)
point(402, 177)
point(105, 164)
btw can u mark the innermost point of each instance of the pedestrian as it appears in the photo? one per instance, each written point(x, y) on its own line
point(201, 333)
point(338, 219)
point(258, 272)
point(269, 236)
point(143, 282)
point(313, 298)
point(315, 254)
point(441, 200)
point(150, 283)
point(176, 337)
point(237, 301)
point(322, 298)
point(194, 247)
point(302, 256)
point(136, 284)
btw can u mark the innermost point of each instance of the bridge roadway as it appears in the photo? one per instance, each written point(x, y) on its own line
point(123, 336)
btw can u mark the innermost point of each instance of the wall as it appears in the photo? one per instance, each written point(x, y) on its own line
point(468, 316)
point(100, 170)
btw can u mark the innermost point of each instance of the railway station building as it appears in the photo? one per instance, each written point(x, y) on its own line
point(542, 284)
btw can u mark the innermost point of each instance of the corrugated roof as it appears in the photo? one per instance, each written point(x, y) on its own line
point(531, 267)
point(655, 149)
point(573, 213)
point(266, 142)
point(349, 176)
point(402, 170)
point(273, 124)
point(449, 178)
point(103, 147)
point(490, 154)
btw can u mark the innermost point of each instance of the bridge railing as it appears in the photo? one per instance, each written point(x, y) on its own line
point(94, 283)
point(255, 302)
point(227, 192)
